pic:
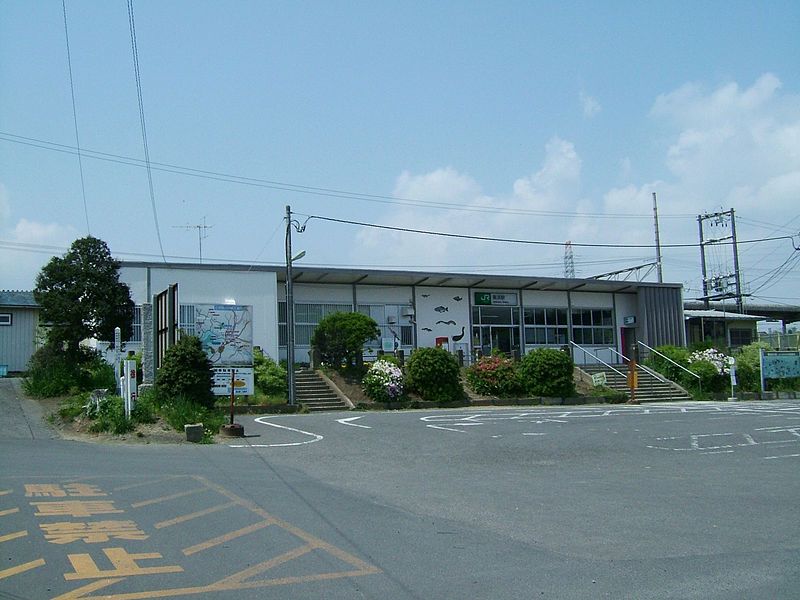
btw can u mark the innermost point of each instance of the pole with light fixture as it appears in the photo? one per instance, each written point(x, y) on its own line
point(290, 302)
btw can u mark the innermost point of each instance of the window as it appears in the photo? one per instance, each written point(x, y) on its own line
point(306, 318)
point(741, 337)
point(136, 330)
point(545, 326)
point(186, 319)
point(5, 318)
point(593, 327)
point(391, 321)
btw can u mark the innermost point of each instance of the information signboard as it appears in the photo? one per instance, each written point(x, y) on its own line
point(226, 333)
point(243, 381)
point(779, 365)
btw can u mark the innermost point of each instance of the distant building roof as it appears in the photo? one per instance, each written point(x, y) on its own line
point(17, 298)
point(720, 314)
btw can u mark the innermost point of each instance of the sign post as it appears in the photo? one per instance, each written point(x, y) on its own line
point(129, 386)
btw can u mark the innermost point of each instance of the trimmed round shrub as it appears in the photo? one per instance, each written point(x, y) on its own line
point(547, 372)
point(269, 376)
point(384, 381)
point(434, 374)
point(186, 373)
point(494, 376)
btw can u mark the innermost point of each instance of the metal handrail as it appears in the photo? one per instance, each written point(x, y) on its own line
point(597, 358)
point(670, 360)
point(644, 368)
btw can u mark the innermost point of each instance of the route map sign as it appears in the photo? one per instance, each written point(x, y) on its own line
point(779, 365)
point(226, 332)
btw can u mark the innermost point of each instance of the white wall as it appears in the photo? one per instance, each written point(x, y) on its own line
point(544, 298)
point(313, 293)
point(591, 300)
point(454, 321)
point(383, 294)
point(198, 285)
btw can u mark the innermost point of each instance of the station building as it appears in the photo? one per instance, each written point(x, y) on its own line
point(474, 313)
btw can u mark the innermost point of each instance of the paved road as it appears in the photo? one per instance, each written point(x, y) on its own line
point(671, 501)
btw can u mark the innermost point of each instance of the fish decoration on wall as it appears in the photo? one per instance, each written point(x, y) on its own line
point(426, 295)
point(457, 298)
point(450, 322)
point(457, 338)
point(441, 309)
point(427, 329)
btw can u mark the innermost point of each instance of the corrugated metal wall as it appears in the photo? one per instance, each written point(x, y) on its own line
point(661, 309)
point(17, 340)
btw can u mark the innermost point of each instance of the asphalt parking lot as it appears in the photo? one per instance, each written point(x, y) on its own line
point(656, 501)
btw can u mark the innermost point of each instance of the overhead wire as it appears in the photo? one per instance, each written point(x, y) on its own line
point(317, 191)
point(75, 118)
point(135, 51)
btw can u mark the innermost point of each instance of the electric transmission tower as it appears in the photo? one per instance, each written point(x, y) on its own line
point(569, 261)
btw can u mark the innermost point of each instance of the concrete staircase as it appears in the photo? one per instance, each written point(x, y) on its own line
point(312, 391)
point(650, 388)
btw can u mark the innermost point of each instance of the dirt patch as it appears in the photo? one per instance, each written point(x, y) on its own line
point(352, 390)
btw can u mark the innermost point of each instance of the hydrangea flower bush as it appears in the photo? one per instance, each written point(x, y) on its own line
point(722, 363)
point(383, 382)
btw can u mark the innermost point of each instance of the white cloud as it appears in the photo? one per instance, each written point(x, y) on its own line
point(20, 263)
point(729, 146)
point(590, 105)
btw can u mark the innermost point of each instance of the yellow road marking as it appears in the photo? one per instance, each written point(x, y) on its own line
point(13, 536)
point(9, 511)
point(131, 486)
point(166, 498)
point(194, 515)
point(266, 565)
point(5, 492)
point(227, 537)
point(87, 589)
point(22, 568)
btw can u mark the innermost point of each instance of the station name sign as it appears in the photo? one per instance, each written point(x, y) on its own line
point(492, 299)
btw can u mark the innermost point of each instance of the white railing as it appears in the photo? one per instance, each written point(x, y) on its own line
point(594, 356)
point(641, 366)
point(662, 355)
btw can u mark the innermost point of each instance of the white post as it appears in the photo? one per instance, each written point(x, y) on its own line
point(761, 368)
point(130, 386)
point(117, 356)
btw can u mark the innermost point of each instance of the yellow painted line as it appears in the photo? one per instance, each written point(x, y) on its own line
point(166, 498)
point(265, 566)
point(5, 492)
point(131, 486)
point(194, 515)
point(9, 511)
point(86, 589)
point(227, 537)
point(21, 568)
point(13, 536)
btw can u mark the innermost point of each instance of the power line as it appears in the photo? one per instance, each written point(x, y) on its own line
point(519, 241)
point(311, 190)
point(135, 51)
point(75, 117)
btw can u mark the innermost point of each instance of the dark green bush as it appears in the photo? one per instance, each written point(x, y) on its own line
point(494, 376)
point(270, 377)
point(434, 374)
point(110, 417)
point(145, 410)
point(180, 411)
point(748, 366)
point(186, 373)
point(55, 372)
point(547, 372)
point(710, 379)
point(668, 369)
point(340, 337)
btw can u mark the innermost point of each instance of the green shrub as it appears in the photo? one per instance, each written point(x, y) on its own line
point(748, 366)
point(186, 373)
point(180, 411)
point(434, 374)
point(668, 369)
point(54, 372)
point(547, 372)
point(270, 377)
point(710, 378)
point(110, 416)
point(608, 394)
point(494, 376)
point(73, 406)
point(340, 337)
point(145, 410)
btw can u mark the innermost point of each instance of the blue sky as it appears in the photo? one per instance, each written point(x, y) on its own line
point(547, 121)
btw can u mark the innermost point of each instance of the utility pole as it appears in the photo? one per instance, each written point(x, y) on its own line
point(658, 241)
point(201, 233)
point(717, 285)
point(289, 310)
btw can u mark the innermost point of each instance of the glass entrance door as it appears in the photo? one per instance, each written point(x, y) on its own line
point(498, 337)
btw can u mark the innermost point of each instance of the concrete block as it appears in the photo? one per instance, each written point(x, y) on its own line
point(194, 432)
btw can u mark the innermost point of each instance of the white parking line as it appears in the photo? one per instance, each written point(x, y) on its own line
point(316, 437)
point(783, 456)
point(347, 422)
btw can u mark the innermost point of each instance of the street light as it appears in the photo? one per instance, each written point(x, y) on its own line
point(290, 301)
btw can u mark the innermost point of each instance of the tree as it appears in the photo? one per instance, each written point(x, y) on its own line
point(81, 296)
point(341, 336)
point(186, 373)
